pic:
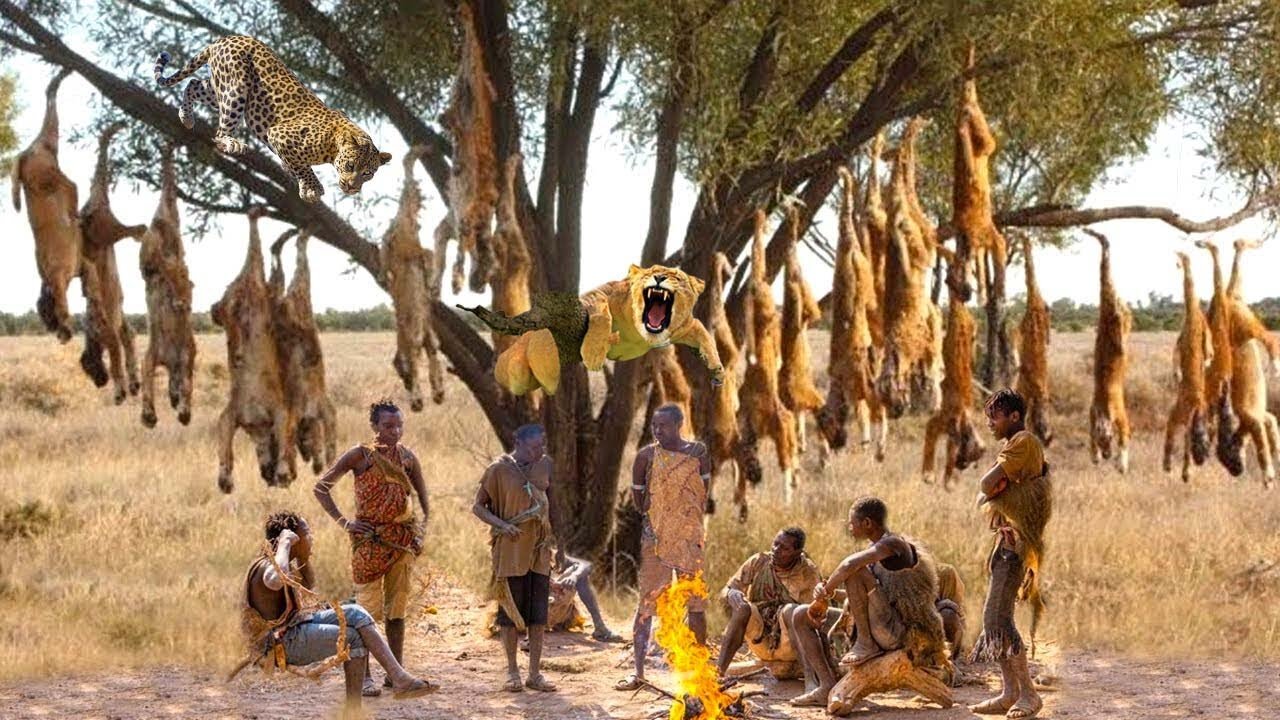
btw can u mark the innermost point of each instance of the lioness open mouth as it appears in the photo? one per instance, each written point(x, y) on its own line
point(657, 308)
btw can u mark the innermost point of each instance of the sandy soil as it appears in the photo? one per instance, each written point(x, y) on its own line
point(451, 649)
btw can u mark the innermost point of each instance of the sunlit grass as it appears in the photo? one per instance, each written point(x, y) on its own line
point(134, 558)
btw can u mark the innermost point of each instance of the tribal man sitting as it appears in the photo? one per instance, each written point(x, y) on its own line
point(767, 582)
point(891, 589)
point(280, 626)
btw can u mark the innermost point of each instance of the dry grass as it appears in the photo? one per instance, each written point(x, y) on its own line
point(135, 558)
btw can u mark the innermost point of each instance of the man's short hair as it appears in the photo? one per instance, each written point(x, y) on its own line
point(376, 409)
point(282, 520)
point(672, 409)
point(525, 432)
point(871, 508)
point(796, 534)
point(1006, 401)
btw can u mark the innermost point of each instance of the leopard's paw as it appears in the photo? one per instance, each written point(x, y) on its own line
point(309, 194)
point(188, 117)
point(229, 145)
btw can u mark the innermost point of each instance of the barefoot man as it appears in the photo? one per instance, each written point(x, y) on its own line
point(891, 588)
point(276, 620)
point(385, 536)
point(514, 501)
point(766, 583)
point(572, 581)
point(1018, 497)
point(669, 486)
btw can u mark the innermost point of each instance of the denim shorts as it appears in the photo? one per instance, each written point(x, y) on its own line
point(317, 638)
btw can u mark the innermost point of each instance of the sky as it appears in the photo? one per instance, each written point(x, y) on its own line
point(615, 219)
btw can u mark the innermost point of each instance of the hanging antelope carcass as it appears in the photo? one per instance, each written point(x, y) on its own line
point(409, 273)
point(171, 342)
point(106, 329)
point(256, 401)
point(301, 358)
point(52, 211)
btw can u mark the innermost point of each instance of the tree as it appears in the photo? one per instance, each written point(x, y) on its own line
point(755, 101)
point(8, 111)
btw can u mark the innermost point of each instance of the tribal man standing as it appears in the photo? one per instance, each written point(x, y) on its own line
point(669, 487)
point(1018, 497)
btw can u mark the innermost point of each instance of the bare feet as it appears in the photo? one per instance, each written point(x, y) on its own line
point(813, 698)
point(539, 683)
point(1027, 707)
point(513, 683)
point(632, 682)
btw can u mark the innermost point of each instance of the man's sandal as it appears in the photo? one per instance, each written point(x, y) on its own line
point(541, 684)
point(513, 684)
point(417, 688)
point(606, 636)
point(813, 698)
point(1025, 711)
point(370, 688)
point(632, 682)
point(994, 706)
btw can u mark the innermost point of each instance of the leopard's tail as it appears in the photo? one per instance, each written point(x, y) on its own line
point(187, 71)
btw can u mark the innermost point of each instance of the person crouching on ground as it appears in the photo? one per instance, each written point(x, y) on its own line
point(275, 616)
point(755, 596)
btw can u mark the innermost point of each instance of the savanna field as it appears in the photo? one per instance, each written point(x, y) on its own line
point(118, 551)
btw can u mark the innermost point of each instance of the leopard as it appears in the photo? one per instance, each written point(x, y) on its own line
point(247, 80)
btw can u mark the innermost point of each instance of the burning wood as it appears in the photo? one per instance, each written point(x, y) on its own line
point(700, 692)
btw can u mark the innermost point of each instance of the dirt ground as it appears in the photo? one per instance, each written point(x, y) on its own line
point(451, 649)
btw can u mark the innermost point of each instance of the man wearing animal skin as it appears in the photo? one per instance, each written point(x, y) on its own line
point(669, 486)
point(385, 537)
point(764, 585)
point(891, 589)
point(277, 620)
point(1018, 498)
point(513, 500)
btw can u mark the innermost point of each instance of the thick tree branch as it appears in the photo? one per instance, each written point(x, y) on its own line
point(851, 50)
point(194, 19)
point(576, 142)
point(1061, 216)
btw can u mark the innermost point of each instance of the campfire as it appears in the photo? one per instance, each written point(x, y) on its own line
point(700, 695)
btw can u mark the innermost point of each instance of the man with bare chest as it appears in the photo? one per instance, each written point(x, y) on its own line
point(279, 616)
point(385, 536)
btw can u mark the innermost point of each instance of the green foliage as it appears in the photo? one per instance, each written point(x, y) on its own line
point(9, 108)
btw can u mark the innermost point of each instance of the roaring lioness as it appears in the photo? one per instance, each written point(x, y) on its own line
point(620, 320)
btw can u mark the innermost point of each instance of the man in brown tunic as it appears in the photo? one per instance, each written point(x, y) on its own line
point(765, 584)
point(513, 500)
point(669, 485)
point(385, 536)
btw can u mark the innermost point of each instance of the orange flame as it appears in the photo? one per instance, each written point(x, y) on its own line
point(690, 660)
